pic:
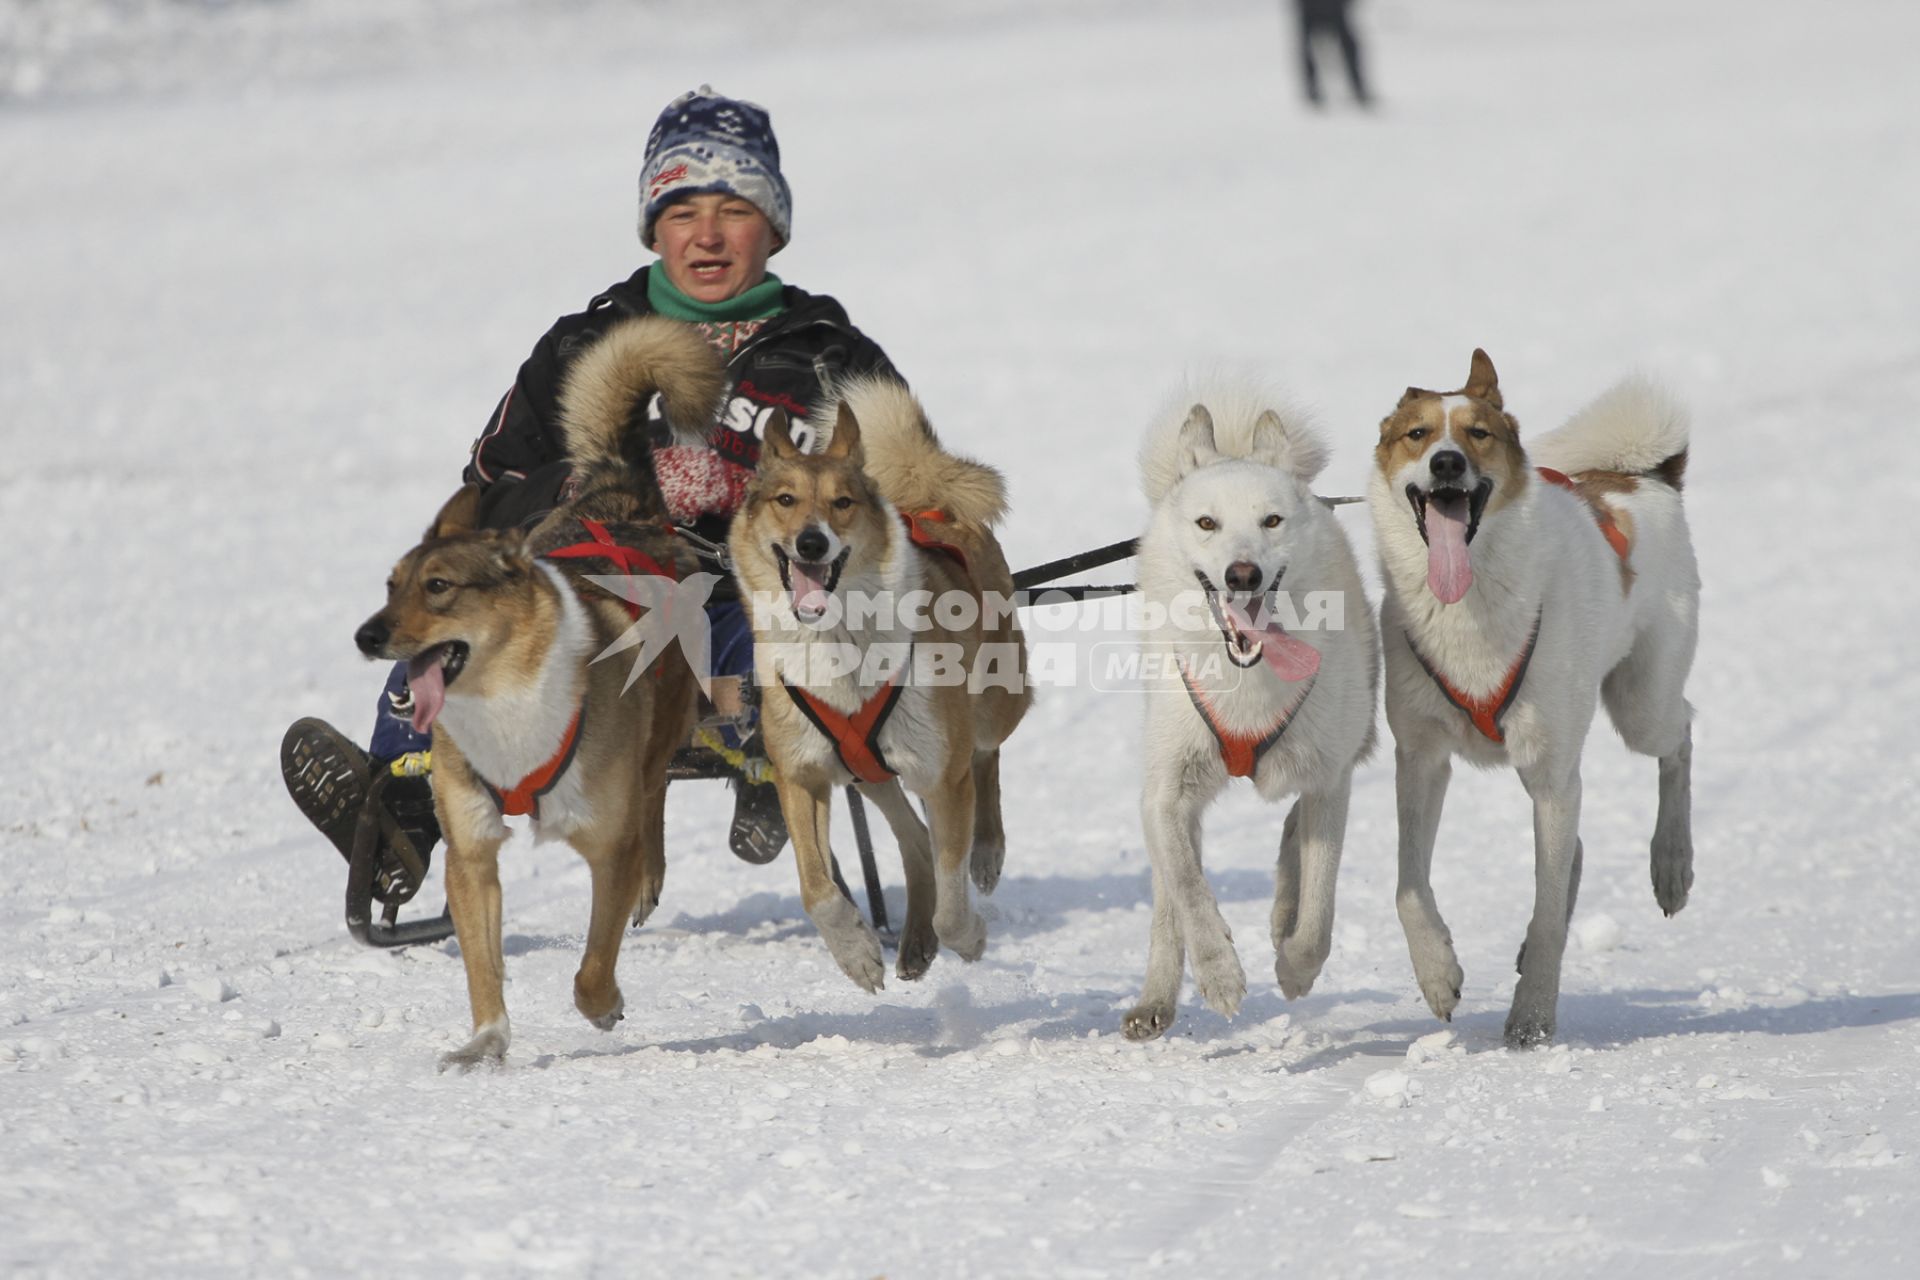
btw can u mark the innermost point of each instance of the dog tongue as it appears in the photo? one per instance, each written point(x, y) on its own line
point(1288, 658)
point(1449, 570)
point(427, 680)
point(809, 589)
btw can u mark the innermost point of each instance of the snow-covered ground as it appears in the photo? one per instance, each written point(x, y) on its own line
point(268, 265)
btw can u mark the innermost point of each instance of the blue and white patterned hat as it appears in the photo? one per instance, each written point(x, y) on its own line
point(707, 143)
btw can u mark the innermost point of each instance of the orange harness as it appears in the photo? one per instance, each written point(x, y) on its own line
point(924, 538)
point(1487, 712)
point(1241, 752)
point(524, 796)
point(1609, 528)
point(855, 738)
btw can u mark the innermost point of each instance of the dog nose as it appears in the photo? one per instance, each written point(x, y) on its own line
point(811, 544)
point(1448, 464)
point(372, 636)
point(1243, 575)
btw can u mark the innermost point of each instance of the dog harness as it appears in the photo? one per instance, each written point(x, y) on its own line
point(628, 560)
point(921, 536)
point(1241, 752)
point(856, 738)
point(1486, 712)
point(523, 797)
point(1609, 528)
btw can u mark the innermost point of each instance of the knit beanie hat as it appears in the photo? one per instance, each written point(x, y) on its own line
point(707, 143)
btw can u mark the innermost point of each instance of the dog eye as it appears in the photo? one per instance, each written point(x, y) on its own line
point(438, 586)
point(1271, 522)
point(785, 499)
point(1478, 433)
point(1417, 433)
point(842, 503)
point(1208, 523)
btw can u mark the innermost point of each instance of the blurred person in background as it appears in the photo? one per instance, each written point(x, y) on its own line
point(1322, 20)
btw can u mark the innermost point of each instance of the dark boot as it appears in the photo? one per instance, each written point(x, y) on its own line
point(330, 779)
point(759, 829)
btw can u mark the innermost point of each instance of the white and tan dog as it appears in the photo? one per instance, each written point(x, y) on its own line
point(888, 653)
point(1268, 668)
point(1517, 599)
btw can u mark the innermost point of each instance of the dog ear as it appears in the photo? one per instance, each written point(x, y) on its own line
point(846, 437)
point(1412, 393)
point(1277, 445)
point(1197, 448)
point(1482, 382)
point(513, 554)
point(779, 437)
point(459, 514)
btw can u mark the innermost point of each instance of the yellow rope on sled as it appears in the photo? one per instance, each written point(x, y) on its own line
point(753, 768)
point(414, 764)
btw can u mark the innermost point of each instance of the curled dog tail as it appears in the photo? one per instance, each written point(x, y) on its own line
point(1249, 421)
point(1636, 426)
point(604, 399)
point(904, 457)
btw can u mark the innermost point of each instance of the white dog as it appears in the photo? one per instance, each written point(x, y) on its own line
point(1516, 599)
point(1267, 668)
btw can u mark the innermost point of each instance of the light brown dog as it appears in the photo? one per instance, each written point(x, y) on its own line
point(887, 653)
point(501, 636)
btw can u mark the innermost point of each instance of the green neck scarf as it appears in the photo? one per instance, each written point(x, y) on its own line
point(758, 303)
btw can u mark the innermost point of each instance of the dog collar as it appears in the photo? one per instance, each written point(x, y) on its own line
point(628, 560)
point(1241, 752)
point(855, 738)
point(524, 796)
point(1485, 712)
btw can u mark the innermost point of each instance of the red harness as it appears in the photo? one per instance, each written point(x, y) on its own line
point(1609, 529)
point(1241, 752)
point(1486, 712)
point(523, 797)
point(923, 537)
point(856, 738)
point(627, 560)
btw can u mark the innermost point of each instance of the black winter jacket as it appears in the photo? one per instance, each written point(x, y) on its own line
point(520, 462)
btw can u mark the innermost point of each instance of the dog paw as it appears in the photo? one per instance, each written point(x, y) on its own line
point(853, 943)
point(1528, 1031)
point(1219, 979)
point(918, 947)
point(644, 908)
point(984, 863)
point(966, 936)
point(611, 1018)
point(1147, 1020)
point(1440, 983)
point(1672, 868)
point(1296, 966)
point(488, 1047)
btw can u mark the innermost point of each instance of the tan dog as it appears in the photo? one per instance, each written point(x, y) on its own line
point(1524, 589)
point(500, 638)
point(887, 652)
